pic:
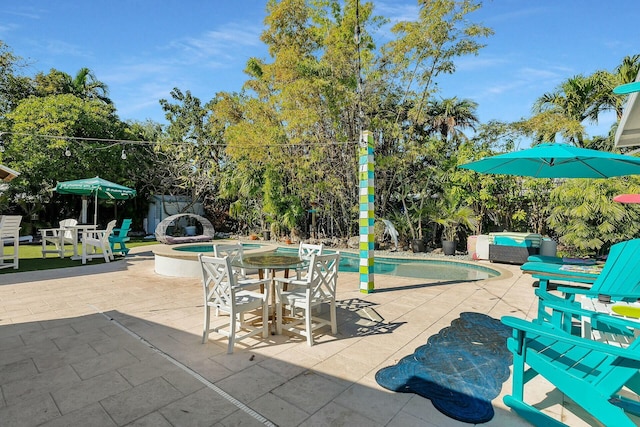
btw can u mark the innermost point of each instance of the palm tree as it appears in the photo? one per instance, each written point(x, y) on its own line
point(573, 100)
point(581, 98)
point(85, 85)
point(449, 116)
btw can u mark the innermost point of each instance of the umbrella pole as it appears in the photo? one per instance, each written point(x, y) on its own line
point(95, 212)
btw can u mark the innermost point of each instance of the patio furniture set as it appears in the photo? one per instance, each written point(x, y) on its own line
point(87, 242)
point(227, 288)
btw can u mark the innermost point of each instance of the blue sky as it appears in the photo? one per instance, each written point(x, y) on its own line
point(143, 48)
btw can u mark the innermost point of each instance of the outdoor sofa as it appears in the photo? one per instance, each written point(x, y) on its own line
point(513, 248)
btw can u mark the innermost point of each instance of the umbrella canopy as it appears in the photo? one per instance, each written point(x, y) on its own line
point(627, 198)
point(551, 160)
point(98, 188)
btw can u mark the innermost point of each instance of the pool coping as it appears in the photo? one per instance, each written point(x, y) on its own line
point(167, 251)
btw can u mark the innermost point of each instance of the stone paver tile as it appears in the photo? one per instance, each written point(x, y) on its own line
point(15, 354)
point(29, 412)
point(76, 396)
point(11, 342)
point(422, 408)
point(336, 415)
point(183, 381)
point(373, 401)
point(154, 419)
point(89, 416)
point(407, 420)
point(40, 383)
point(89, 337)
point(284, 368)
point(16, 370)
point(134, 403)
point(240, 419)
point(104, 363)
point(279, 411)
point(342, 367)
point(309, 391)
point(57, 359)
point(210, 369)
point(48, 334)
point(147, 369)
point(202, 408)
point(250, 383)
point(16, 329)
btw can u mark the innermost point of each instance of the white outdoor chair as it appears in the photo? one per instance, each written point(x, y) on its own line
point(316, 288)
point(235, 252)
point(10, 234)
point(222, 291)
point(92, 240)
point(58, 237)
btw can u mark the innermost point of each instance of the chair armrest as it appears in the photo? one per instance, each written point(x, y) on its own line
point(44, 231)
point(548, 331)
point(600, 317)
point(94, 234)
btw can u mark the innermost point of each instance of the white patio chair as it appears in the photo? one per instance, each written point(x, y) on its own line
point(305, 250)
point(58, 237)
point(10, 234)
point(92, 240)
point(222, 291)
point(316, 288)
point(235, 252)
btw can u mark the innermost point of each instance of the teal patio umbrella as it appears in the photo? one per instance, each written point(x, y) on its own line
point(554, 160)
point(98, 188)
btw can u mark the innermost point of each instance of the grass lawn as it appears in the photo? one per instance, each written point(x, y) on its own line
point(31, 257)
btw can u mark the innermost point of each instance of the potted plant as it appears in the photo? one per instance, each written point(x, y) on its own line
point(452, 215)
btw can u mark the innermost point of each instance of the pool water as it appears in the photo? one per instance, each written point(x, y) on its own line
point(419, 268)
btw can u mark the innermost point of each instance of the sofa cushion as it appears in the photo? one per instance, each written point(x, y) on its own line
point(508, 241)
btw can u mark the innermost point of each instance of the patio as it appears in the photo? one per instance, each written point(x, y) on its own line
point(63, 361)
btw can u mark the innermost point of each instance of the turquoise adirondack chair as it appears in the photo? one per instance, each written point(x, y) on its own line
point(619, 280)
point(120, 238)
point(588, 372)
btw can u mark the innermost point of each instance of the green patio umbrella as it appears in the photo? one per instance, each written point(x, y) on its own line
point(553, 160)
point(98, 188)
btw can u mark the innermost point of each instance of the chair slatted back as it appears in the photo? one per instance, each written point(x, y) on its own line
point(323, 274)
point(10, 225)
point(619, 276)
point(234, 251)
point(305, 250)
point(67, 234)
point(124, 228)
point(217, 281)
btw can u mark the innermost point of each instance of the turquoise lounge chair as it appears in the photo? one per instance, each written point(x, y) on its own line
point(561, 260)
point(120, 238)
point(588, 372)
point(618, 281)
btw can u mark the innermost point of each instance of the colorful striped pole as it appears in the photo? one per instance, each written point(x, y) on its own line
point(366, 174)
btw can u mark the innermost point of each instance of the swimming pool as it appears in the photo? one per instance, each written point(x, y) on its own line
point(408, 267)
point(182, 261)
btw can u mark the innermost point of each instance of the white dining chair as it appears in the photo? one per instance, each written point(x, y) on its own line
point(223, 292)
point(58, 237)
point(92, 240)
point(317, 287)
point(235, 252)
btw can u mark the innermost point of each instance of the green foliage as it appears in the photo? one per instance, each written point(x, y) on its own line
point(583, 213)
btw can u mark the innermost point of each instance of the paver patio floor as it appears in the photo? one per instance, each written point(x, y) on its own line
point(117, 344)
